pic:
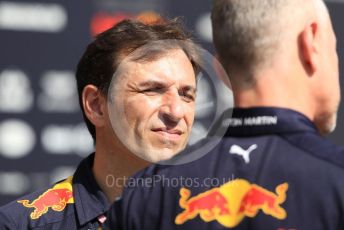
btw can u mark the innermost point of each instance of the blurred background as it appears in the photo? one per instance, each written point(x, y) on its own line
point(42, 135)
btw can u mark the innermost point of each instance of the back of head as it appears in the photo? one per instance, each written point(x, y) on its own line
point(248, 34)
point(280, 53)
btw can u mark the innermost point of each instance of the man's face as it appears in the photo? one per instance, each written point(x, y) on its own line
point(330, 85)
point(153, 106)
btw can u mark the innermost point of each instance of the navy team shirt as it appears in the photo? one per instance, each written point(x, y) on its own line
point(272, 170)
point(74, 203)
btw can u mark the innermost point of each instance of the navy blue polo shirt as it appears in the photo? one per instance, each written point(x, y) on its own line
point(74, 203)
point(271, 170)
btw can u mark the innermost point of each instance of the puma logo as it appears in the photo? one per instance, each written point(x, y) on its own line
point(235, 149)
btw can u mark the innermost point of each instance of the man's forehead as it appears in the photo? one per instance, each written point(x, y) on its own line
point(151, 56)
point(174, 61)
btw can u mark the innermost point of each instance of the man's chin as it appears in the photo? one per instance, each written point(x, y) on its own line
point(155, 155)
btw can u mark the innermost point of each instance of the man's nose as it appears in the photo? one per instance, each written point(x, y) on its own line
point(172, 109)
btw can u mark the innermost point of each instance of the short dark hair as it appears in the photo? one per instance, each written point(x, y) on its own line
point(105, 53)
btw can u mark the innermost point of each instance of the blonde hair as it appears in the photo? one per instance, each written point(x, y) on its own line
point(249, 33)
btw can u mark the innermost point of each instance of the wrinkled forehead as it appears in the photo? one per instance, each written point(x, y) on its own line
point(170, 65)
point(154, 50)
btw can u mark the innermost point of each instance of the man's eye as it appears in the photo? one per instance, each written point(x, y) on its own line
point(153, 91)
point(188, 97)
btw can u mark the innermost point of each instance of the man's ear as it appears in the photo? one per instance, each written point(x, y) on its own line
point(94, 105)
point(309, 47)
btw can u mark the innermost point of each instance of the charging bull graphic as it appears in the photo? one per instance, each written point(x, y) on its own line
point(55, 198)
point(232, 202)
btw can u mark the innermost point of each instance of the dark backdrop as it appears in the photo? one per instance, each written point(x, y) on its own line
point(42, 136)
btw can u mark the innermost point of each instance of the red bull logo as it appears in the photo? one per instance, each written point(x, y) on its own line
point(232, 202)
point(55, 198)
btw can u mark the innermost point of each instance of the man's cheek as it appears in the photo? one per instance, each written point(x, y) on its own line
point(190, 114)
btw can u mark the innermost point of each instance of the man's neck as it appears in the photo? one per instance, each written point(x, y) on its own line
point(275, 91)
point(112, 169)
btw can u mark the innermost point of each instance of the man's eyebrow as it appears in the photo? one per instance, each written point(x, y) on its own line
point(189, 88)
point(155, 83)
point(150, 83)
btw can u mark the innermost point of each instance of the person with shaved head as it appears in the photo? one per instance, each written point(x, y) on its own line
point(274, 168)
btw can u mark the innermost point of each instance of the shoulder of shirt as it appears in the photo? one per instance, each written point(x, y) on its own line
point(36, 209)
point(318, 147)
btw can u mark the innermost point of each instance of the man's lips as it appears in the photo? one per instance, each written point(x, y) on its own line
point(169, 133)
